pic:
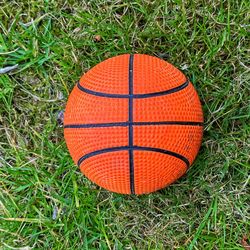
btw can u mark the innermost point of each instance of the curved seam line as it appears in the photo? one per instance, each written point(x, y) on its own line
point(125, 124)
point(139, 148)
point(136, 96)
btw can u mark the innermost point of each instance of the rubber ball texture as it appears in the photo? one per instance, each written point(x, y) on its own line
point(133, 124)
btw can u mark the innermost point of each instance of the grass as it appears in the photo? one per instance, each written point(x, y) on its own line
point(45, 202)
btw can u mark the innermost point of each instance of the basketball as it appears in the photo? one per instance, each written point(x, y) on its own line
point(133, 124)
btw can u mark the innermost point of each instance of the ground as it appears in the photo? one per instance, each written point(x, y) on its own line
point(45, 202)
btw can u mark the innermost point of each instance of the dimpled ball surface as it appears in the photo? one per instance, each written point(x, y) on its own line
point(133, 124)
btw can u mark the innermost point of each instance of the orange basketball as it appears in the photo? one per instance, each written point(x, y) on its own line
point(133, 124)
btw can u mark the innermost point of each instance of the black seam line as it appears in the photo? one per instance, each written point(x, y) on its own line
point(139, 148)
point(130, 119)
point(136, 96)
point(126, 124)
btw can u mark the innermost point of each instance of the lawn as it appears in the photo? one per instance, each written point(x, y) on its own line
point(45, 202)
